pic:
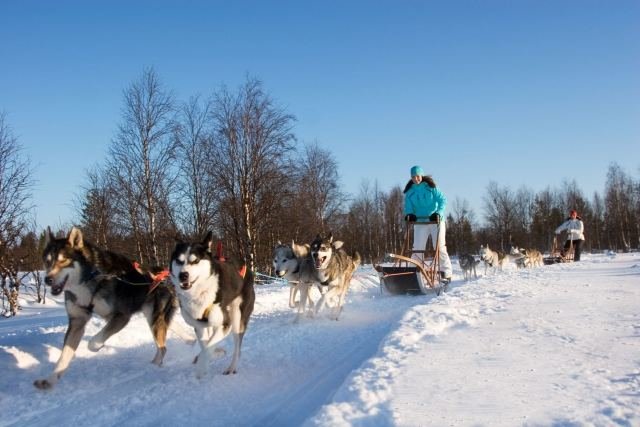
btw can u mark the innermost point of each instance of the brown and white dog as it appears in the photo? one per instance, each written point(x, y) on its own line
point(334, 268)
point(216, 298)
point(96, 281)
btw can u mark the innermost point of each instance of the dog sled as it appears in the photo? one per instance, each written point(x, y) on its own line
point(405, 274)
point(557, 254)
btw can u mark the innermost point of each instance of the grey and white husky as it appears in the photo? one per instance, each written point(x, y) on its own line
point(528, 257)
point(468, 264)
point(334, 268)
point(293, 263)
point(216, 298)
point(107, 284)
point(491, 258)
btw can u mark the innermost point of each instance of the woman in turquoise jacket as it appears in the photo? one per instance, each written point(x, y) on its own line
point(423, 201)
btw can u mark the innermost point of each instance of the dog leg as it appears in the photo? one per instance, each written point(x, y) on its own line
point(304, 296)
point(72, 338)
point(202, 360)
point(331, 293)
point(238, 333)
point(159, 321)
point(293, 290)
point(337, 310)
point(114, 325)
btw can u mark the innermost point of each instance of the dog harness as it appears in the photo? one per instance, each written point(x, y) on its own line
point(205, 314)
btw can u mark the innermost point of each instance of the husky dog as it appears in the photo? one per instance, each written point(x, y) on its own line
point(105, 283)
point(491, 258)
point(529, 257)
point(534, 258)
point(334, 268)
point(468, 263)
point(216, 298)
point(292, 263)
point(506, 259)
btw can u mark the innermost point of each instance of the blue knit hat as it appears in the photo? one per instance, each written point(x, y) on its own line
point(417, 170)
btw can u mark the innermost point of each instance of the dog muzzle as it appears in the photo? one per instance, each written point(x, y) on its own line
point(57, 288)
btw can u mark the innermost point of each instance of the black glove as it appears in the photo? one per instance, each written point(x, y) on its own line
point(434, 217)
point(410, 218)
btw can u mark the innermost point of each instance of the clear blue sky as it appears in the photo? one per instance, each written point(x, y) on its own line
point(517, 92)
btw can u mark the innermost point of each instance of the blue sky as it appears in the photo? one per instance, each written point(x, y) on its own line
point(518, 92)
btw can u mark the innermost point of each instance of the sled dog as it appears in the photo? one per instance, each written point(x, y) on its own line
point(506, 259)
point(529, 257)
point(491, 258)
point(334, 268)
point(293, 263)
point(468, 264)
point(107, 284)
point(216, 298)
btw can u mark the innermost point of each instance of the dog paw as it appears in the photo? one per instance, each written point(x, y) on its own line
point(95, 345)
point(230, 372)
point(201, 372)
point(43, 384)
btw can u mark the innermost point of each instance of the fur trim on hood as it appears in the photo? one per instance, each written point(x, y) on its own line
point(426, 178)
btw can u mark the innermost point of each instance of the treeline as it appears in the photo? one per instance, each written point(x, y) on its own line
point(231, 163)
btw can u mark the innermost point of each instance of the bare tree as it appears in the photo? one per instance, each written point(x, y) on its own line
point(197, 206)
point(96, 207)
point(252, 140)
point(500, 212)
point(15, 209)
point(546, 216)
point(393, 209)
point(317, 179)
point(460, 223)
point(620, 205)
point(141, 161)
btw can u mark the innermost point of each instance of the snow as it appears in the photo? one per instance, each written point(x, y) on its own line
point(555, 345)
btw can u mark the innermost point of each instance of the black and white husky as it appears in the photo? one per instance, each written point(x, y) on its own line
point(105, 283)
point(216, 298)
point(334, 268)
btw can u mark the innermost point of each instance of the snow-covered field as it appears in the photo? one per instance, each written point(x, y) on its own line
point(557, 345)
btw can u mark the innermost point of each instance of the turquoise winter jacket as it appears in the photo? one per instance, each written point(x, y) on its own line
point(423, 200)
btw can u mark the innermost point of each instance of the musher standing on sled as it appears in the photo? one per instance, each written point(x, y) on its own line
point(423, 200)
point(575, 233)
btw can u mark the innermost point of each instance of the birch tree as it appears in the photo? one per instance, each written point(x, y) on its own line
point(142, 160)
point(252, 140)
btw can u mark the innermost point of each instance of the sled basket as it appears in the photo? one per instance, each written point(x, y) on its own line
point(401, 280)
point(555, 254)
point(410, 276)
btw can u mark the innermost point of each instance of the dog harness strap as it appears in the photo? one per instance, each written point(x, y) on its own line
point(205, 314)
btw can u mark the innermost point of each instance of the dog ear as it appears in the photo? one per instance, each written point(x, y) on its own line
point(330, 238)
point(208, 241)
point(75, 238)
point(48, 236)
point(300, 251)
point(337, 244)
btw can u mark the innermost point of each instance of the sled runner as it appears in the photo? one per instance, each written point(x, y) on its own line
point(555, 254)
point(404, 274)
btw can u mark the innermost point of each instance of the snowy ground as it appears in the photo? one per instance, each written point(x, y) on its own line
point(557, 345)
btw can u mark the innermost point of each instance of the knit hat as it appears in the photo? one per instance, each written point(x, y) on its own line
point(417, 170)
